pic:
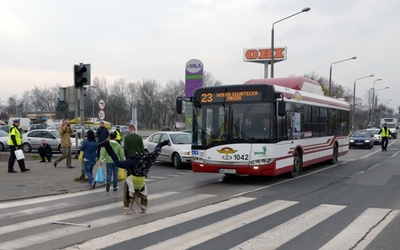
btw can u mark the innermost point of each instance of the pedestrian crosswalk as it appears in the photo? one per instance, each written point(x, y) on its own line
point(30, 224)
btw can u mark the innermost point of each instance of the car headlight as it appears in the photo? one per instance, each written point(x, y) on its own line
point(367, 140)
point(351, 140)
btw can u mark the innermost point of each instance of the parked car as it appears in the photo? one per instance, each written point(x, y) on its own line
point(376, 136)
point(78, 129)
point(37, 126)
point(3, 140)
point(5, 128)
point(178, 150)
point(362, 139)
point(33, 139)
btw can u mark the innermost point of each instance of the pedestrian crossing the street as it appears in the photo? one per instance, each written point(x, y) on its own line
point(29, 224)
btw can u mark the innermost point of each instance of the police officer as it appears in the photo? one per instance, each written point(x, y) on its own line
point(118, 135)
point(15, 142)
point(385, 133)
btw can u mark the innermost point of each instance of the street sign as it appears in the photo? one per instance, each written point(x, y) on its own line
point(102, 115)
point(102, 104)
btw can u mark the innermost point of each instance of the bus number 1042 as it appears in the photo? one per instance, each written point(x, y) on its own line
point(241, 157)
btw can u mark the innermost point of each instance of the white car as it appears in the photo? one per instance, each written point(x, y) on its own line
point(178, 151)
point(33, 139)
point(376, 136)
point(3, 140)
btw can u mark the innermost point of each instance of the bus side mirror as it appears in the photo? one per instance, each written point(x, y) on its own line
point(179, 105)
point(281, 108)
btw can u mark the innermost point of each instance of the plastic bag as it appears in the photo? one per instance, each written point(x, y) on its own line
point(81, 158)
point(19, 154)
point(121, 174)
point(100, 175)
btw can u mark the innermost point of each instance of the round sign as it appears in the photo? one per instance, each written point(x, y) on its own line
point(194, 66)
point(102, 115)
point(102, 104)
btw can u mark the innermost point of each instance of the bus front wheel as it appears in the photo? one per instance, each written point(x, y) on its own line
point(297, 165)
point(335, 154)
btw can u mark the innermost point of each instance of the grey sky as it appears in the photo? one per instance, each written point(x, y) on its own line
point(41, 40)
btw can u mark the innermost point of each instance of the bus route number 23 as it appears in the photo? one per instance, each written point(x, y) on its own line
point(206, 97)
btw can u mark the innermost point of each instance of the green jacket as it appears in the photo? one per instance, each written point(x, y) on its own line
point(117, 149)
point(133, 143)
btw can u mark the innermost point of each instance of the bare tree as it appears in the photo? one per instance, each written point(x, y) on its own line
point(146, 97)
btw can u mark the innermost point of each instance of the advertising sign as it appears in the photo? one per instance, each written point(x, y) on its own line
point(194, 76)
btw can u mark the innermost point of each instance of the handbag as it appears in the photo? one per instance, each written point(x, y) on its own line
point(121, 174)
point(100, 175)
point(19, 154)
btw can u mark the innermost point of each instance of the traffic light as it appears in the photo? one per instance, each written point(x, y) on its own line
point(81, 75)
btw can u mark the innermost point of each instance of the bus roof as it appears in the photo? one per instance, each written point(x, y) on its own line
point(296, 83)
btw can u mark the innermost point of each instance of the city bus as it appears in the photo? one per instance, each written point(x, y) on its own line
point(266, 127)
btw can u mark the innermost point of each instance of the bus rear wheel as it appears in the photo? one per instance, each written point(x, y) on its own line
point(297, 165)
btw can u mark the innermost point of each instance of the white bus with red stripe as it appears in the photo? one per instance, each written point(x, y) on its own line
point(267, 127)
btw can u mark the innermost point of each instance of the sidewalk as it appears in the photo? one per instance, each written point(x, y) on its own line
point(42, 179)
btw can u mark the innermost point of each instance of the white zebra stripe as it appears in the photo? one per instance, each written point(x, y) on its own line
point(131, 233)
point(281, 234)
point(211, 231)
point(60, 232)
point(359, 228)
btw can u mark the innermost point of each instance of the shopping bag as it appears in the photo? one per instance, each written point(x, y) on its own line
point(19, 154)
point(100, 175)
point(81, 159)
point(121, 174)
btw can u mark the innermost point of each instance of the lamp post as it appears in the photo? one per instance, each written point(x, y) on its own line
point(373, 96)
point(330, 72)
point(354, 98)
point(272, 37)
point(372, 120)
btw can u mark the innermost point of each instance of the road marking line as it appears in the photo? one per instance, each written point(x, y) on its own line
point(283, 233)
point(354, 232)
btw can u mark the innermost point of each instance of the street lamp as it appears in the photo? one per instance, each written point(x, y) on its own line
point(272, 38)
point(373, 93)
point(354, 97)
point(330, 72)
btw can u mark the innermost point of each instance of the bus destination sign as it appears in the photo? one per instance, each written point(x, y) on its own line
point(231, 96)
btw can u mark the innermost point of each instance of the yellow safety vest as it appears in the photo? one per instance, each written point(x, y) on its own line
point(118, 136)
point(18, 136)
point(385, 132)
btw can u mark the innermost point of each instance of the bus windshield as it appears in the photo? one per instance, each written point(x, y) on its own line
point(216, 124)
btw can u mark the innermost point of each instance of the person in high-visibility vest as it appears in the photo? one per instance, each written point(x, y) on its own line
point(15, 142)
point(385, 133)
point(118, 135)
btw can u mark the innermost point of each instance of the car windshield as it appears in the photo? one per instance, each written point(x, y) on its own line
point(361, 134)
point(55, 133)
point(3, 133)
point(184, 138)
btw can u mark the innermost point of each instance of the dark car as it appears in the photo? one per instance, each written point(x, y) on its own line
point(361, 139)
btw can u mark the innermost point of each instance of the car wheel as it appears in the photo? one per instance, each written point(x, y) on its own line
point(26, 148)
point(176, 159)
point(60, 148)
point(2, 147)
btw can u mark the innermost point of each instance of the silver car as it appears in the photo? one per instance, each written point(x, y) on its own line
point(178, 151)
point(376, 136)
point(3, 140)
point(33, 139)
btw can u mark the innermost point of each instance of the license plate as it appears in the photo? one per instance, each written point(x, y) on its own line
point(227, 171)
point(359, 143)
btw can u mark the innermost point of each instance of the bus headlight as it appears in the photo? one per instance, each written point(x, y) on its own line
point(198, 159)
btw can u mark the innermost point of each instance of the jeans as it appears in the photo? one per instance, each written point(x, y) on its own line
point(89, 170)
point(112, 169)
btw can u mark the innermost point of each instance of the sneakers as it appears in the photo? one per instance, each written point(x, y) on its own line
point(93, 185)
point(115, 189)
point(108, 186)
point(55, 164)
